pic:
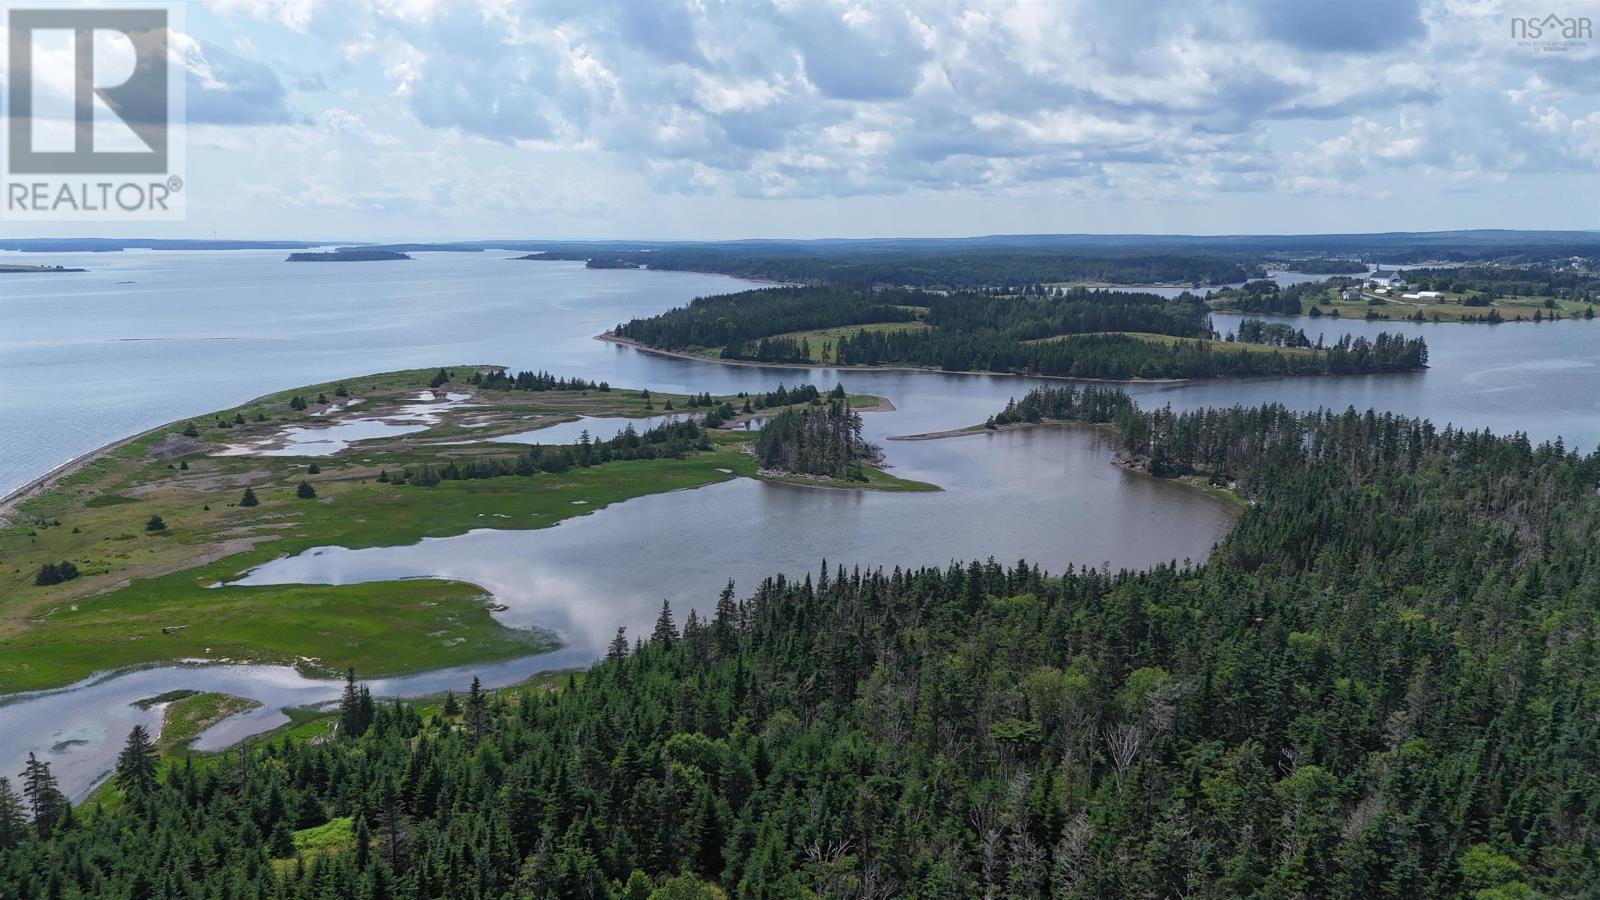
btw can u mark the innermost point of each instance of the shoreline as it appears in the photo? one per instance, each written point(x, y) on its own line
point(39, 485)
point(611, 338)
point(969, 430)
point(33, 487)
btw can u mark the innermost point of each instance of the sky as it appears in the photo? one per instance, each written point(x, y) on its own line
point(722, 119)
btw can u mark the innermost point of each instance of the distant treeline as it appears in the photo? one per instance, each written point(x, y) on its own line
point(1267, 297)
point(735, 319)
point(1275, 334)
point(533, 381)
point(1327, 266)
point(1495, 282)
point(1051, 332)
point(958, 270)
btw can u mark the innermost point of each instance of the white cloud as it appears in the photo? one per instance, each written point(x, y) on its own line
point(1168, 100)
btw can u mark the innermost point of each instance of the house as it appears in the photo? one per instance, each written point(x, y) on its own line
point(1350, 294)
point(1382, 277)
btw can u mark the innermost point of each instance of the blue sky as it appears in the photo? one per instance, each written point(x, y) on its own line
point(709, 119)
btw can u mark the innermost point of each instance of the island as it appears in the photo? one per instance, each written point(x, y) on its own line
point(1070, 333)
point(116, 559)
point(349, 254)
point(24, 269)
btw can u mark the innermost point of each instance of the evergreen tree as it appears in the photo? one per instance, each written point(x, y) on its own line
point(665, 631)
point(13, 820)
point(136, 764)
point(47, 805)
point(249, 498)
point(305, 491)
point(355, 707)
point(618, 651)
point(155, 523)
point(477, 711)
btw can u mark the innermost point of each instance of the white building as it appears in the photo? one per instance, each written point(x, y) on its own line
point(1382, 277)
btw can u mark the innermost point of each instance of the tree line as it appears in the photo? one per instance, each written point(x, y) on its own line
point(1496, 282)
point(674, 439)
point(1122, 356)
point(959, 270)
point(500, 379)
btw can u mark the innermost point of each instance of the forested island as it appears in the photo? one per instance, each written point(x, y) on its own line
point(954, 269)
point(822, 440)
point(26, 269)
point(1382, 684)
point(1067, 332)
point(349, 254)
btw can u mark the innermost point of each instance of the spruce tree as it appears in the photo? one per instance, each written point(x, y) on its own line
point(155, 523)
point(305, 491)
point(249, 498)
point(477, 712)
point(618, 651)
point(665, 632)
point(136, 764)
point(13, 820)
point(350, 723)
point(46, 803)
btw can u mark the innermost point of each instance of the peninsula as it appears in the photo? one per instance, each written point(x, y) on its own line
point(126, 556)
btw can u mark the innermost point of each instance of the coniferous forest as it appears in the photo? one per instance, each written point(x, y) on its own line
point(1382, 684)
point(822, 440)
point(1077, 333)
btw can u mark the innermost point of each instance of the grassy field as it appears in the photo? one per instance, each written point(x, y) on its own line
point(1168, 340)
point(822, 338)
point(1394, 307)
point(146, 596)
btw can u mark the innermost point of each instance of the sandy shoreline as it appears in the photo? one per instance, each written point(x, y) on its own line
point(982, 429)
point(37, 486)
point(611, 338)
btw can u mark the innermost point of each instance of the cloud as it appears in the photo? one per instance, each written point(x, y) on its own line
point(1348, 26)
point(223, 88)
point(836, 98)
